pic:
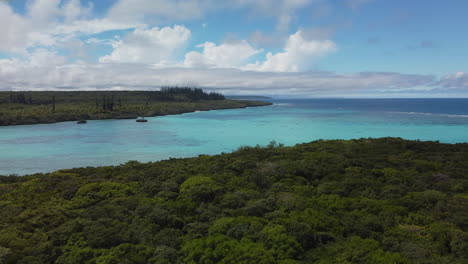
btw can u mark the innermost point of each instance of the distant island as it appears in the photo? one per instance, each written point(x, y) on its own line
point(382, 200)
point(20, 108)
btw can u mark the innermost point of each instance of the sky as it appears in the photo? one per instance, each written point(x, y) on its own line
point(281, 48)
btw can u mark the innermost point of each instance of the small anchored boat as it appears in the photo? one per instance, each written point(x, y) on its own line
point(82, 122)
point(141, 120)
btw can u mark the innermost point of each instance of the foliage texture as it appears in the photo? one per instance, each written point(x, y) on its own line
point(360, 201)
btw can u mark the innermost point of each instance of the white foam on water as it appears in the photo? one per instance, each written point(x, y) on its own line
point(429, 114)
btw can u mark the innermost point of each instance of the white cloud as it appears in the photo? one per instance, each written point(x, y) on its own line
point(146, 58)
point(46, 13)
point(56, 23)
point(42, 57)
point(43, 12)
point(51, 24)
point(226, 55)
point(45, 23)
point(14, 30)
point(457, 80)
point(39, 69)
point(73, 10)
point(47, 70)
point(76, 48)
point(153, 45)
point(298, 55)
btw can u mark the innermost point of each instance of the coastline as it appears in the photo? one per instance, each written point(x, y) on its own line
point(173, 108)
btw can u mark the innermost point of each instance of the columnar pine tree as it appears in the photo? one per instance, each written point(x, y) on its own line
point(53, 104)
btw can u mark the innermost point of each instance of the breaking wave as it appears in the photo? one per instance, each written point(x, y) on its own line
point(430, 114)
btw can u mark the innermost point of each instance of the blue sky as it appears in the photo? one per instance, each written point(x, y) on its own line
point(313, 48)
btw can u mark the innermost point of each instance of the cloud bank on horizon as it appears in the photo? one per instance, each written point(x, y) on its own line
point(312, 48)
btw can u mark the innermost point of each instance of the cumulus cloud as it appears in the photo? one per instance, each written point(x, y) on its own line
point(39, 69)
point(43, 24)
point(148, 57)
point(56, 18)
point(76, 48)
point(41, 57)
point(47, 70)
point(14, 30)
point(298, 55)
point(73, 10)
point(226, 55)
point(149, 45)
point(158, 46)
point(56, 23)
point(457, 80)
point(43, 12)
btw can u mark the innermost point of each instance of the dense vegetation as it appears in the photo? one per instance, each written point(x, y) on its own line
point(18, 108)
point(361, 201)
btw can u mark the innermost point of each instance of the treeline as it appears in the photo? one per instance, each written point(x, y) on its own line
point(192, 93)
point(108, 108)
point(20, 98)
point(166, 94)
point(17, 108)
point(386, 200)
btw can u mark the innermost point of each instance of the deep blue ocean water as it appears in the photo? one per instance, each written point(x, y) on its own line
point(44, 148)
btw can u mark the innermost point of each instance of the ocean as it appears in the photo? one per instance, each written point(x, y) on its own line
point(47, 147)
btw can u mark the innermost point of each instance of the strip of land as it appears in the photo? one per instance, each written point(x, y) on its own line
point(21, 108)
point(359, 201)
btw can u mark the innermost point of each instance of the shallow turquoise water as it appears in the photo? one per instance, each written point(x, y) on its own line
point(44, 148)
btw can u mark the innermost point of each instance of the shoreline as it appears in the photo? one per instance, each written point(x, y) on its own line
point(198, 106)
point(371, 139)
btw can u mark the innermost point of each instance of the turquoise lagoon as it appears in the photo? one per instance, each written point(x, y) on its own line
point(43, 148)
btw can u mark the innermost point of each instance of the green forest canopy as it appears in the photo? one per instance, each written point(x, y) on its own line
point(359, 201)
point(19, 108)
point(165, 94)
